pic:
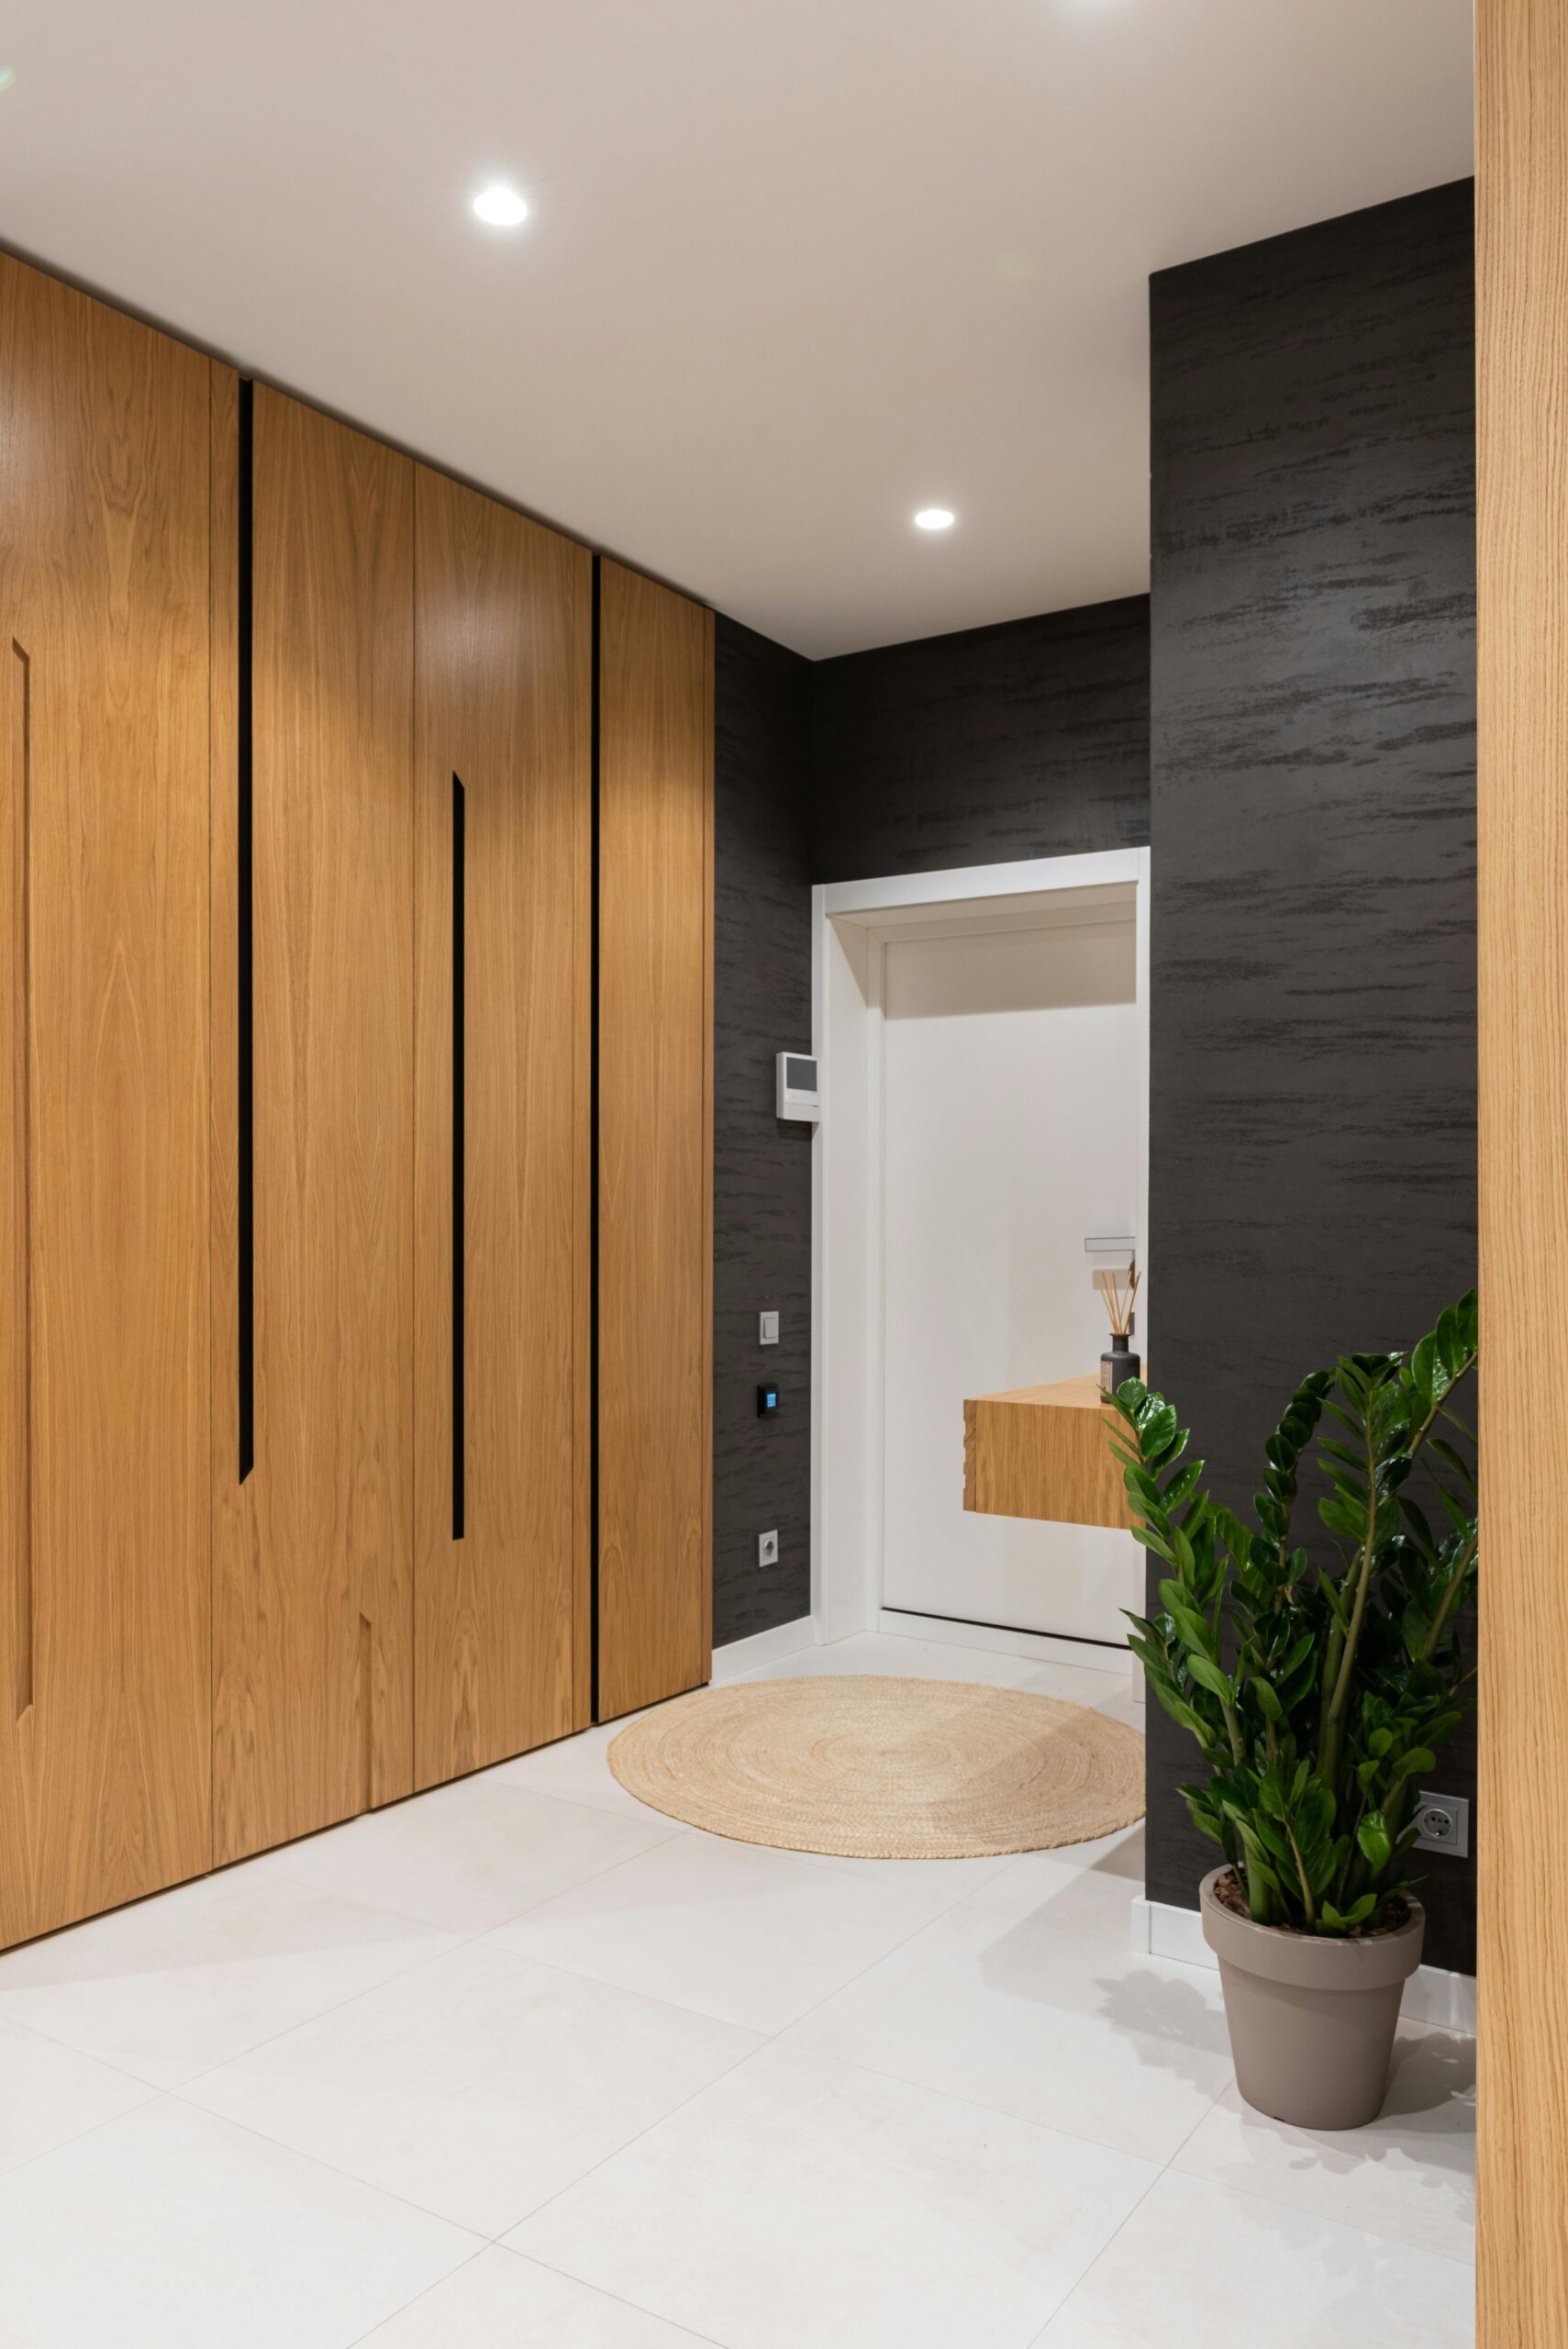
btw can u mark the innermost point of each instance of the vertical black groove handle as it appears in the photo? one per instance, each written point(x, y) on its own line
point(22, 836)
point(245, 1074)
point(459, 925)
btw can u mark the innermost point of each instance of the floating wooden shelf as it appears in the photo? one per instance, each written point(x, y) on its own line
point(1043, 1451)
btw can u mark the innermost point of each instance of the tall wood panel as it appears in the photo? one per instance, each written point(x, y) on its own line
point(502, 1002)
point(655, 1142)
point(1522, 255)
point(313, 1552)
point(104, 1513)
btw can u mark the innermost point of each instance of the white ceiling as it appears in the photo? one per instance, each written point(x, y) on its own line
point(794, 267)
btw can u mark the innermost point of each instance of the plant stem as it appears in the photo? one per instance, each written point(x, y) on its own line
point(1419, 1435)
point(1455, 1584)
point(1307, 1900)
point(1334, 1718)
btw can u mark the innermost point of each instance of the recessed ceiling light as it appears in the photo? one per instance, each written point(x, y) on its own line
point(500, 207)
point(933, 518)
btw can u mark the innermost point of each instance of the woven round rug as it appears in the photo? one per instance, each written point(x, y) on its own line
point(883, 1769)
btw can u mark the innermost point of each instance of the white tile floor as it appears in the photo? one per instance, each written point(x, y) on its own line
point(522, 2063)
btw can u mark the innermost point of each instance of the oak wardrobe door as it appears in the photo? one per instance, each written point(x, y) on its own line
point(104, 1204)
point(313, 1583)
point(655, 1104)
point(502, 1003)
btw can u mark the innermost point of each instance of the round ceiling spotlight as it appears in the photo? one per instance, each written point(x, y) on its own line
point(933, 518)
point(500, 207)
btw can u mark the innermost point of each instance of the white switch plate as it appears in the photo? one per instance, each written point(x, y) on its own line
point(767, 1329)
point(768, 1549)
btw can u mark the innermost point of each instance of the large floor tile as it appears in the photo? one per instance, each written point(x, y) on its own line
point(1077, 1684)
point(469, 1856)
point(912, 1659)
point(755, 1936)
point(1410, 2175)
point(940, 1883)
point(575, 1769)
point(1197, 2266)
point(170, 2230)
point(174, 1985)
point(1077, 1888)
point(501, 2301)
point(1055, 2027)
point(801, 2201)
point(50, 2094)
point(478, 2085)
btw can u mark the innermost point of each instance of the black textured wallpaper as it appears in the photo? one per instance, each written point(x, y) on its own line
point(1029, 738)
point(1313, 782)
point(762, 1176)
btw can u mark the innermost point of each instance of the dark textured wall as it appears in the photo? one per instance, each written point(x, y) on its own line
point(1029, 739)
point(762, 1176)
point(1313, 775)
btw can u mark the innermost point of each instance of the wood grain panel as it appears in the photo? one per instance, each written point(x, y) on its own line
point(1522, 251)
point(104, 636)
point(1043, 1451)
point(503, 661)
point(313, 1584)
point(655, 1175)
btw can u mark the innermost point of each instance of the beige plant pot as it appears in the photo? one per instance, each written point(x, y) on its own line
point(1311, 2017)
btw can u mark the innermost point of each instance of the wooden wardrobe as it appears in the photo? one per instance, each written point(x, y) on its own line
point(401, 1573)
point(105, 581)
point(313, 1343)
point(310, 1408)
point(655, 1157)
point(503, 995)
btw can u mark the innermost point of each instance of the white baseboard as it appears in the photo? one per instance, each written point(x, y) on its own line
point(1086, 1653)
point(732, 1663)
point(1432, 1995)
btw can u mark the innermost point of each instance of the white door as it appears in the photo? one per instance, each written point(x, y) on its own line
point(1011, 1129)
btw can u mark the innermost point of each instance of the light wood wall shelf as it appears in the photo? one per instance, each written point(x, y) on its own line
point(1043, 1451)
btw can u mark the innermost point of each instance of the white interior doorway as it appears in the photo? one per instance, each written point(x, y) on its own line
point(983, 1038)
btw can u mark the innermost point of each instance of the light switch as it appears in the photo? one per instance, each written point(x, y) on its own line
point(767, 1329)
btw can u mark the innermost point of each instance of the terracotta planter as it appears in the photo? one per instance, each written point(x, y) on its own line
point(1311, 2019)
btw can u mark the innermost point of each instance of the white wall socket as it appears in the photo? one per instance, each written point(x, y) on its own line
point(1444, 1822)
point(768, 1549)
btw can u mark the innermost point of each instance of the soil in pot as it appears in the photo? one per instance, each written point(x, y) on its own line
point(1312, 2016)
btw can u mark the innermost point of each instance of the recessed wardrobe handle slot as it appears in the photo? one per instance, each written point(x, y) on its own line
point(22, 1203)
point(245, 1085)
point(459, 960)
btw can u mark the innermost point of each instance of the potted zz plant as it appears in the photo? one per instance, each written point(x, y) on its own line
point(1319, 1695)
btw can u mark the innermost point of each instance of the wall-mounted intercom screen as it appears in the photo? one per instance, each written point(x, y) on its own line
point(798, 1092)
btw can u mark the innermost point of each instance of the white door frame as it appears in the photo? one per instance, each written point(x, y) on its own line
point(849, 919)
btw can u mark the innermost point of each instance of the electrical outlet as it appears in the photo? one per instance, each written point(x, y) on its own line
point(768, 1549)
point(1444, 1822)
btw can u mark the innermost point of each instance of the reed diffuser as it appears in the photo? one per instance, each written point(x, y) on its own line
point(1120, 1291)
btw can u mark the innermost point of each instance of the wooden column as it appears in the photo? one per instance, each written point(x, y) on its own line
point(1522, 203)
point(655, 1157)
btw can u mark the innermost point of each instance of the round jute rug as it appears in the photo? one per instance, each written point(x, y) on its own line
point(884, 1769)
